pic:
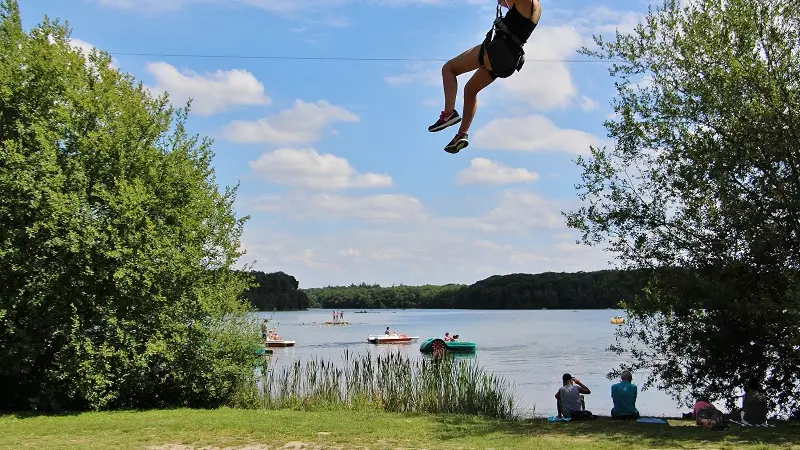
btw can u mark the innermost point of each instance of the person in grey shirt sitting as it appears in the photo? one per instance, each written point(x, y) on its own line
point(569, 400)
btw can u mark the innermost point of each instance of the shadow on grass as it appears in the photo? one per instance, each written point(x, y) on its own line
point(35, 414)
point(626, 433)
point(32, 414)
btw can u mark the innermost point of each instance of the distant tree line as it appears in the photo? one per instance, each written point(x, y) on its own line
point(581, 290)
point(276, 291)
point(375, 296)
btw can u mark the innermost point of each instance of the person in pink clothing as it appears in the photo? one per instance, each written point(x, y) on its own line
point(707, 415)
point(702, 403)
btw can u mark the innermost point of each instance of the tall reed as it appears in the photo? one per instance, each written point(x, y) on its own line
point(390, 382)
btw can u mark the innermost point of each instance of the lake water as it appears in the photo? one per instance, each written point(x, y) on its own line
point(530, 349)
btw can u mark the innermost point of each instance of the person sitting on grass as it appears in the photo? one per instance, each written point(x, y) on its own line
point(707, 415)
point(624, 396)
point(754, 406)
point(569, 400)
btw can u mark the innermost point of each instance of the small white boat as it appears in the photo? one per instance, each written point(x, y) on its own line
point(390, 339)
point(279, 343)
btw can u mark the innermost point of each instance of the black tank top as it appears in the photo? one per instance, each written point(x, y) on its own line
point(519, 25)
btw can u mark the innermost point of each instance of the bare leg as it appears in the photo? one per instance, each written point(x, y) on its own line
point(479, 80)
point(463, 63)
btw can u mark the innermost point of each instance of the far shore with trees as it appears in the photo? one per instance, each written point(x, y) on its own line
point(602, 289)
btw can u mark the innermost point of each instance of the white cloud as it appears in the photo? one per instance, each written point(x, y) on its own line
point(546, 84)
point(588, 104)
point(485, 171)
point(533, 133)
point(305, 168)
point(517, 212)
point(381, 208)
point(212, 92)
point(301, 124)
point(417, 253)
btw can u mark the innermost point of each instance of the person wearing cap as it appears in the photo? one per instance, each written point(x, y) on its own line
point(568, 398)
point(624, 396)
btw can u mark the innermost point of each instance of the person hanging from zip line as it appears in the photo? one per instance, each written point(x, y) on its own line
point(499, 56)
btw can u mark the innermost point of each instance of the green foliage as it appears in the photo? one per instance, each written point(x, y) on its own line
point(391, 382)
point(705, 177)
point(584, 290)
point(276, 291)
point(116, 247)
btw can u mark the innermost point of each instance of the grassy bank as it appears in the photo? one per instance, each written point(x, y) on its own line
point(258, 429)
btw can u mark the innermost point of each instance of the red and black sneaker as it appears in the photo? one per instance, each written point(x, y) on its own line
point(445, 120)
point(458, 143)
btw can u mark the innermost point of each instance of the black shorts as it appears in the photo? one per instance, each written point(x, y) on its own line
point(504, 55)
point(581, 415)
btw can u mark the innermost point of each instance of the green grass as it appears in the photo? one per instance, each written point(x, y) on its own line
point(236, 428)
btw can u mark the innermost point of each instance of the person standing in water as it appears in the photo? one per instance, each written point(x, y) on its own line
point(499, 56)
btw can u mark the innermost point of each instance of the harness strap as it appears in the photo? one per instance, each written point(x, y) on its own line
point(498, 19)
point(500, 27)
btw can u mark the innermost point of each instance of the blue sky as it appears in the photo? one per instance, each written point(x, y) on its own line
point(341, 177)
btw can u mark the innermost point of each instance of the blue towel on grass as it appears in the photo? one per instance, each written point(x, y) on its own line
point(558, 419)
point(651, 420)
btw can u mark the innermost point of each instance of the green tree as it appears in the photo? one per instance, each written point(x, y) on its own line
point(703, 183)
point(116, 247)
point(276, 291)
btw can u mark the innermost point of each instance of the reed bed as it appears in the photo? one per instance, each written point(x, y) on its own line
point(390, 382)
